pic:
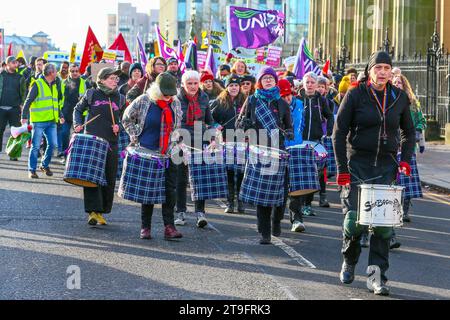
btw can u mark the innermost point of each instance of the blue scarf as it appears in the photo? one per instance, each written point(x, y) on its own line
point(268, 95)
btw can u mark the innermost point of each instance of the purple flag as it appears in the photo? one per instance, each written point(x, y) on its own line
point(141, 52)
point(164, 48)
point(210, 61)
point(251, 28)
point(305, 62)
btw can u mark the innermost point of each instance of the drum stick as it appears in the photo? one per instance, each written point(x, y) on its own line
point(84, 125)
point(112, 114)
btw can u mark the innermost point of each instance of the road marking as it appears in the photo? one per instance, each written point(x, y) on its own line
point(292, 253)
point(437, 198)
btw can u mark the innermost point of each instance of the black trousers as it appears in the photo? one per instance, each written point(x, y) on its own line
point(295, 208)
point(100, 199)
point(182, 182)
point(11, 117)
point(234, 184)
point(308, 199)
point(168, 206)
point(379, 242)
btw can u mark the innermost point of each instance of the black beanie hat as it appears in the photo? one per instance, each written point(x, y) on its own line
point(378, 57)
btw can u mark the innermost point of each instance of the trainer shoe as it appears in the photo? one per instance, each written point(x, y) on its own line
point(47, 171)
point(201, 220)
point(101, 220)
point(92, 220)
point(171, 233)
point(33, 175)
point(298, 226)
point(379, 289)
point(406, 218)
point(394, 244)
point(180, 220)
point(146, 234)
point(265, 240)
point(308, 211)
point(347, 274)
point(323, 202)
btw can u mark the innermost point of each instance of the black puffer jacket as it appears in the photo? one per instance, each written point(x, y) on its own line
point(317, 110)
point(361, 121)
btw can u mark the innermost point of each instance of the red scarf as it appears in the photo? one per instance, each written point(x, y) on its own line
point(194, 112)
point(166, 124)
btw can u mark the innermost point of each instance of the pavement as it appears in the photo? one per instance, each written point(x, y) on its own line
point(434, 166)
point(45, 242)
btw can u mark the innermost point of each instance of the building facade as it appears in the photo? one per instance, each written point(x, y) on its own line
point(35, 45)
point(129, 22)
point(176, 16)
point(365, 24)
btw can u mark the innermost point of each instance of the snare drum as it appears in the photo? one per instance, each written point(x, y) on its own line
point(263, 183)
point(143, 176)
point(320, 152)
point(380, 205)
point(124, 141)
point(207, 176)
point(331, 161)
point(303, 176)
point(86, 161)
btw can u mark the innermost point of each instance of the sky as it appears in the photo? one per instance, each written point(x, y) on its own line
point(66, 21)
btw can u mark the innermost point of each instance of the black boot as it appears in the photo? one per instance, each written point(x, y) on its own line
point(323, 202)
point(347, 274)
point(278, 215)
point(264, 224)
point(241, 207)
point(406, 205)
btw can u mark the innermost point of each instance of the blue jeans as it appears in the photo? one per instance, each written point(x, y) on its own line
point(64, 136)
point(47, 129)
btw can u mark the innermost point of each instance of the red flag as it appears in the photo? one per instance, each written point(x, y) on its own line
point(93, 51)
point(326, 68)
point(10, 52)
point(120, 44)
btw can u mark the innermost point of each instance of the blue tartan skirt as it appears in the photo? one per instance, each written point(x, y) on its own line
point(124, 141)
point(413, 187)
point(263, 183)
point(207, 176)
point(331, 161)
point(86, 161)
point(303, 175)
point(143, 177)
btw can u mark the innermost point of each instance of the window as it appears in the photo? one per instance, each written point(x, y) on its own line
point(278, 5)
point(181, 16)
point(262, 5)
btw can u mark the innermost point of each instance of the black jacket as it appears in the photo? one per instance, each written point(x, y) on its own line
point(317, 110)
point(247, 118)
point(360, 122)
point(225, 116)
point(97, 103)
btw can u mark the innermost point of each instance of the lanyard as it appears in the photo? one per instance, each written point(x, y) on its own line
point(382, 107)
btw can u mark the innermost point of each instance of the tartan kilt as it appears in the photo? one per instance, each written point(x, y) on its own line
point(124, 141)
point(207, 176)
point(331, 161)
point(303, 172)
point(263, 184)
point(143, 179)
point(413, 187)
point(235, 156)
point(86, 159)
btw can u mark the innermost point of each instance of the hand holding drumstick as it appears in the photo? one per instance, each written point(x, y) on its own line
point(78, 129)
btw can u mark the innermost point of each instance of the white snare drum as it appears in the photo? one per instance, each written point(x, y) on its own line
point(380, 205)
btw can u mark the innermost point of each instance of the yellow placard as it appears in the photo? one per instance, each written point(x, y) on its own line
point(73, 53)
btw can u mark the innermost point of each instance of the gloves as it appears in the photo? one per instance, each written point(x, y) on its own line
point(343, 179)
point(405, 168)
point(422, 149)
point(289, 135)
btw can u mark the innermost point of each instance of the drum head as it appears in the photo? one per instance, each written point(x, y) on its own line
point(144, 152)
point(80, 183)
point(302, 192)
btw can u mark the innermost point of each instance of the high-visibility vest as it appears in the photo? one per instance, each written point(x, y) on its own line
point(81, 89)
point(45, 107)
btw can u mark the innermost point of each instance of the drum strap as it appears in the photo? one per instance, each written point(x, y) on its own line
point(265, 116)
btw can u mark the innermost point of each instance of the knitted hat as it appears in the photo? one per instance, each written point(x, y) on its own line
point(134, 66)
point(172, 59)
point(248, 77)
point(344, 85)
point(377, 58)
point(206, 76)
point(266, 71)
point(167, 84)
point(285, 87)
point(232, 79)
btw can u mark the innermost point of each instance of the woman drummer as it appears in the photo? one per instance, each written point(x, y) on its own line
point(375, 116)
point(273, 114)
point(150, 121)
point(106, 102)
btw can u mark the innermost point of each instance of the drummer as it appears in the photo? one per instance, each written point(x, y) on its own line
point(298, 122)
point(273, 114)
point(150, 121)
point(101, 102)
point(371, 115)
point(226, 108)
point(319, 122)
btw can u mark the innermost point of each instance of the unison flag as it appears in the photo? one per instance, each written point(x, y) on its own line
point(141, 52)
point(304, 62)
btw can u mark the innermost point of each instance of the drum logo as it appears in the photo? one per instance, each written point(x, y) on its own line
point(381, 203)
